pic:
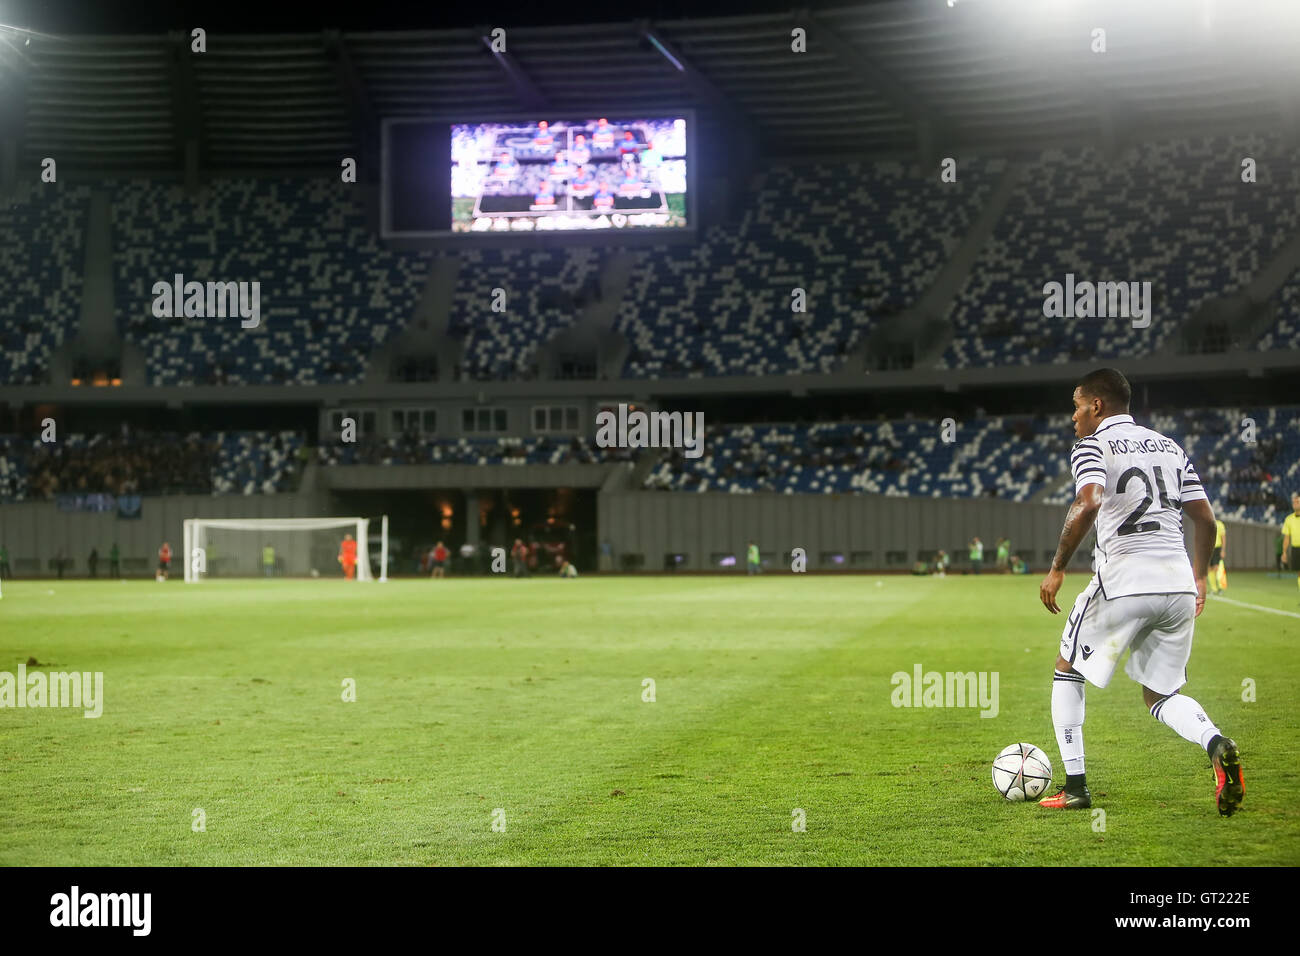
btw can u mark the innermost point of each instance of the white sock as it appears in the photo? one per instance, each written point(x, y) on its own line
point(1067, 716)
point(1186, 717)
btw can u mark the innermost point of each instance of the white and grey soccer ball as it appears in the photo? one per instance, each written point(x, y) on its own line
point(1022, 772)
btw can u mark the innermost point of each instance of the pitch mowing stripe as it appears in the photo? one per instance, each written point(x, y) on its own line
point(1258, 607)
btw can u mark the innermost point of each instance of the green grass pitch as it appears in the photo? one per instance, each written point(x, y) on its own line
point(772, 694)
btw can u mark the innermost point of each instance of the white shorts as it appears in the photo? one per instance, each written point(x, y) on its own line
point(1158, 628)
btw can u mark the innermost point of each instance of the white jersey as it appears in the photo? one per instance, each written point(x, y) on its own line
point(1145, 479)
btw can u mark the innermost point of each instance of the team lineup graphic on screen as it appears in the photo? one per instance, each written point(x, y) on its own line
point(569, 175)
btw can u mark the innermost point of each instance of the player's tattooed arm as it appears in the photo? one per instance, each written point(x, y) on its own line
point(1078, 522)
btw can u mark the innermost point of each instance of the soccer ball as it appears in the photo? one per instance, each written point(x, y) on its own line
point(1021, 772)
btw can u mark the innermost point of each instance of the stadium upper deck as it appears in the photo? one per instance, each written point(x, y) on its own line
point(1131, 173)
point(864, 240)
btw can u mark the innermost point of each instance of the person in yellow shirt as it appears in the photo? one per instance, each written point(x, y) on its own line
point(1218, 575)
point(1291, 537)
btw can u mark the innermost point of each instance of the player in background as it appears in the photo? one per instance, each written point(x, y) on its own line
point(631, 182)
point(440, 556)
point(1291, 538)
point(348, 556)
point(519, 554)
point(545, 196)
point(584, 184)
point(560, 168)
point(164, 561)
point(1219, 570)
point(652, 158)
point(506, 167)
point(941, 562)
point(1131, 482)
point(580, 155)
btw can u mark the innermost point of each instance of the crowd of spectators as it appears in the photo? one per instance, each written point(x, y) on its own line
point(123, 464)
point(131, 462)
point(416, 449)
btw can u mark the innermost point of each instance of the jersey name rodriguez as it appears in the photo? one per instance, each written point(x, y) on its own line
point(1145, 478)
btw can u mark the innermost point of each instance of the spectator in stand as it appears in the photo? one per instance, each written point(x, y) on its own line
point(123, 464)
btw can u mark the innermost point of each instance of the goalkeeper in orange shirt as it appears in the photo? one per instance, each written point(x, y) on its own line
point(348, 556)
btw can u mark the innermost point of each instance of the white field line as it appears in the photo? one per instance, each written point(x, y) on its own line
point(1257, 607)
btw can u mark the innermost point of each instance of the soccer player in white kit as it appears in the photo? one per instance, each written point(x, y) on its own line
point(1134, 484)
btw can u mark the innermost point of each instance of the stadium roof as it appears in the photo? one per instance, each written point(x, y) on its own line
point(880, 77)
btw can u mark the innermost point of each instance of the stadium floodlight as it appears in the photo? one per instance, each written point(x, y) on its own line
point(299, 554)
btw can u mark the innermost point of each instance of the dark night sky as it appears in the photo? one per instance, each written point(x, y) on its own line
point(156, 16)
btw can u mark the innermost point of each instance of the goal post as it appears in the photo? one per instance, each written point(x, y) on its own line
point(304, 541)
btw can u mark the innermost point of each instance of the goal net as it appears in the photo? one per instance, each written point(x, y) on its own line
point(280, 547)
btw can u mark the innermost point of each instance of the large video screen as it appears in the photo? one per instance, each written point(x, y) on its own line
point(602, 173)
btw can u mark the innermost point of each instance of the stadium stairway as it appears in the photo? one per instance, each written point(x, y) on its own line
point(936, 302)
point(425, 335)
point(1286, 334)
point(1247, 316)
point(923, 332)
point(96, 339)
point(593, 332)
point(309, 479)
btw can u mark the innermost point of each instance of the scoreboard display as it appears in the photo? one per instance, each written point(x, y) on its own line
point(597, 175)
